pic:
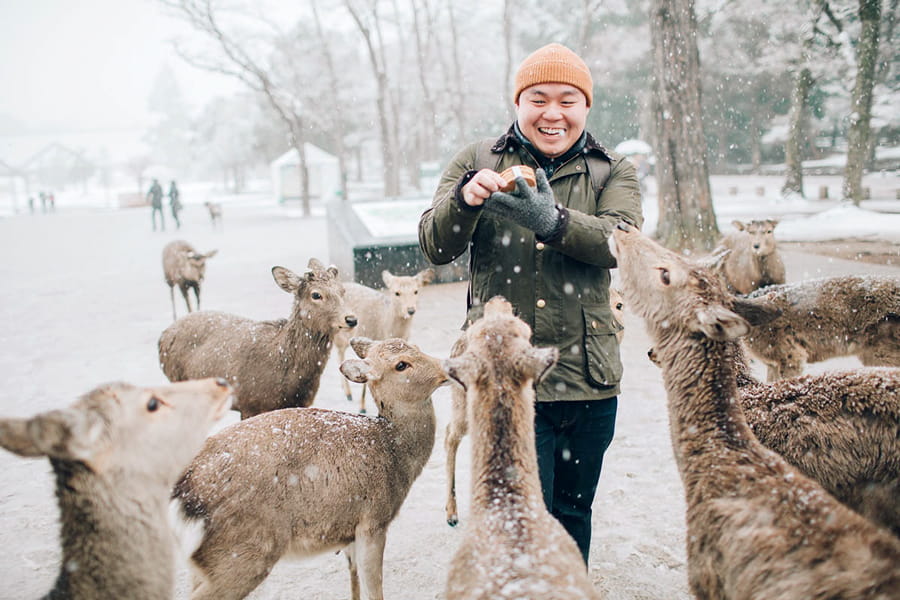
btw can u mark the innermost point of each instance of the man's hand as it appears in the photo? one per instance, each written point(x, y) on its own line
point(481, 186)
point(533, 209)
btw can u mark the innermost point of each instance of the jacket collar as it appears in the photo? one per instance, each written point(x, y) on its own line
point(511, 140)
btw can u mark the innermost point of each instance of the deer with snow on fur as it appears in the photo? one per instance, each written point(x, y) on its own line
point(840, 428)
point(292, 483)
point(381, 314)
point(753, 260)
point(458, 426)
point(513, 547)
point(116, 452)
point(277, 363)
point(828, 317)
point(756, 526)
point(185, 267)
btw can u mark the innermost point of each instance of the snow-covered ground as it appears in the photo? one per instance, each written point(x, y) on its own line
point(83, 302)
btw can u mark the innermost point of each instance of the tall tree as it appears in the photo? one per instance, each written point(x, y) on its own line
point(686, 216)
point(858, 141)
point(236, 60)
point(369, 25)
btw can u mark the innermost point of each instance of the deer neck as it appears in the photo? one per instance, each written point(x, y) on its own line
point(302, 333)
point(115, 537)
point(705, 417)
point(413, 430)
point(504, 457)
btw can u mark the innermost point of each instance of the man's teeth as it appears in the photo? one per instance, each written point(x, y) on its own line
point(551, 130)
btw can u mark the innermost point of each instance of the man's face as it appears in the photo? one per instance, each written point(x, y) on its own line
point(552, 116)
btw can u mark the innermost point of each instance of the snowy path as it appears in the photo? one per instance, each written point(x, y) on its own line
point(83, 302)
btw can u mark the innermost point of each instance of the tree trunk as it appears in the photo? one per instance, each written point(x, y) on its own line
point(793, 159)
point(686, 216)
point(336, 109)
point(861, 103)
point(388, 150)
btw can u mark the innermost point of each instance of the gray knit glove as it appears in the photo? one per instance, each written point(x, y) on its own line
point(533, 209)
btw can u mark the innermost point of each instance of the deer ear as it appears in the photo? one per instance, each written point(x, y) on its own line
point(387, 277)
point(425, 277)
point(460, 369)
point(738, 225)
point(757, 311)
point(333, 271)
point(315, 264)
point(718, 323)
point(211, 253)
point(356, 370)
point(543, 359)
point(361, 345)
point(286, 279)
point(68, 434)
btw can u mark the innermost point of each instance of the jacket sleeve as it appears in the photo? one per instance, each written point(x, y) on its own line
point(446, 228)
point(584, 236)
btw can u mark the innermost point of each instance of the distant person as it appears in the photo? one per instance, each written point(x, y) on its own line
point(175, 203)
point(43, 196)
point(51, 201)
point(155, 195)
point(31, 204)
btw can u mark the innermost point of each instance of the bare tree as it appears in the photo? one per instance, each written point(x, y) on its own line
point(858, 137)
point(686, 215)
point(390, 159)
point(337, 109)
point(239, 63)
point(815, 33)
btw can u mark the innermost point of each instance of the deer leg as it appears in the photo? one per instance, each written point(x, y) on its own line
point(362, 400)
point(370, 546)
point(456, 429)
point(184, 294)
point(350, 553)
point(345, 385)
point(172, 296)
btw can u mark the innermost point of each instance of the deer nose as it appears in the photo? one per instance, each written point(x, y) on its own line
point(411, 311)
point(623, 226)
point(350, 320)
point(221, 382)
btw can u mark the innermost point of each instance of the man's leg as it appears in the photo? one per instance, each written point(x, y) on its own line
point(585, 433)
point(545, 440)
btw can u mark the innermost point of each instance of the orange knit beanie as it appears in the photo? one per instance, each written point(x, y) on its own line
point(554, 63)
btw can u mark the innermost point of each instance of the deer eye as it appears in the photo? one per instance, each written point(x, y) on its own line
point(396, 293)
point(618, 306)
point(316, 296)
point(153, 404)
point(401, 366)
point(664, 276)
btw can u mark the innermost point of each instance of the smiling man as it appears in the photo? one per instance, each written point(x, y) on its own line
point(545, 250)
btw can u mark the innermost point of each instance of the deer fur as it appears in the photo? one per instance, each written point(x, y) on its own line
point(458, 426)
point(277, 363)
point(829, 317)
point(291, 482)
point(512, 547)
point(381, 314)
point(116, 452)
point(753, 261)
point(756, 526)
point(185, 267)
point(840, 428)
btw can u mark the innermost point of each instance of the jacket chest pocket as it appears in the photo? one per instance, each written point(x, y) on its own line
point(601, 349)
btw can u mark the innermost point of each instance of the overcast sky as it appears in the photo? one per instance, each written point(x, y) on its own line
point(89, 64)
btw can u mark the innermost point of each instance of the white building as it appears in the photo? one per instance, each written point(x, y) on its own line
point(324, 175)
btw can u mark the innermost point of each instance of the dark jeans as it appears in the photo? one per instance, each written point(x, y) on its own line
point(571, 439)
point(162, 219)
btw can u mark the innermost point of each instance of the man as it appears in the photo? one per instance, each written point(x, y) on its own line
point(545, 250)
point(155, 194)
